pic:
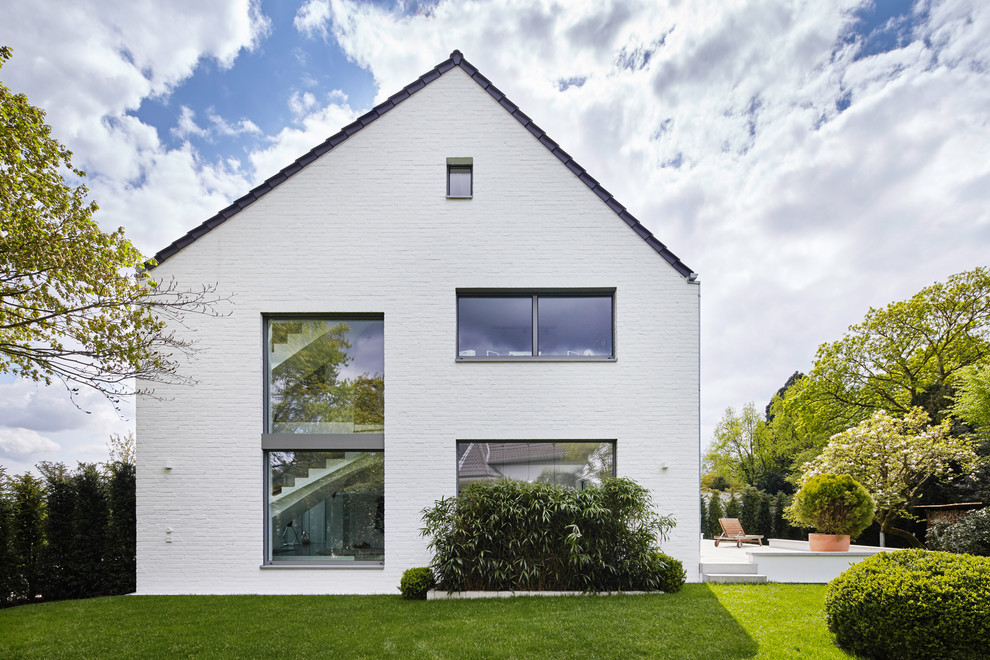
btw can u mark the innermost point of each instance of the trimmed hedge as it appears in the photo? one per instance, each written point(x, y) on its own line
point(416, 582)
point(517, 536)
point(912, 604)
point(672, 576)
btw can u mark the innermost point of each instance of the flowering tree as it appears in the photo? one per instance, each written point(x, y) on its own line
point(893, 457)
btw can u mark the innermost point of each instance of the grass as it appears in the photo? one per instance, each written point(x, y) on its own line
point(702, 621)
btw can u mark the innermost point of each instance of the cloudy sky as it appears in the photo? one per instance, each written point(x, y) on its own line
point(809, 159)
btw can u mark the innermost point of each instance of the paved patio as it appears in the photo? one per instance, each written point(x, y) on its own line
point(780, 561)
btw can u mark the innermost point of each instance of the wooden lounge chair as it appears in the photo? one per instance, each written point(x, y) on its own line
point(732, 531)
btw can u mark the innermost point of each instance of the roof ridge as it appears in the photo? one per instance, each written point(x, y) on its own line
point(456, 59)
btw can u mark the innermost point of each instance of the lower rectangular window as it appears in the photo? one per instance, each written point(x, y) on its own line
point(325, 507)
point(565, 463)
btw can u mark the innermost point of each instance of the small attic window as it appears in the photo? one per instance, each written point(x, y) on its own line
point(460, 178)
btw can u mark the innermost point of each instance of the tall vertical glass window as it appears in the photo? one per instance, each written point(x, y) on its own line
point(324, 441)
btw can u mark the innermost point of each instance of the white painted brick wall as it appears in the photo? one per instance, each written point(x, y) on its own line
point(367, 228)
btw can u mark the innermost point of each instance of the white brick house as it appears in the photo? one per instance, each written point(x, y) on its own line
point(442, 245)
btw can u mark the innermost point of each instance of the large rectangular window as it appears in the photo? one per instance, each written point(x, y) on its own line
point(566, 463)
point(326, 375)
point(568, 325)
point(324, 441)
point(326, 506)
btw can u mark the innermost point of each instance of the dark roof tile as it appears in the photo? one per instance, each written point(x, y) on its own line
point(456, 60)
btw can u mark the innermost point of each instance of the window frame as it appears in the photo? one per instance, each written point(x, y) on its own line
point(368, 442)
point(465, 163)
point(535, 320)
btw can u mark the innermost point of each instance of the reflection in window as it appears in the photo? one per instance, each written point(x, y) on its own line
point(326, 375)
point(566, 325)
point(572, 464)
point(494, 325)
point(326, 506)
point(575, 325)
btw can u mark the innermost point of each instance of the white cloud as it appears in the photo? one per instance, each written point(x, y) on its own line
point(803, 182)
point(309, 131)
point(312, 18)
point(21, 443)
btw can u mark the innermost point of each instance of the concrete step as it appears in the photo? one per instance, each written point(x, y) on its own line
point(728, 567)
point(734, 578)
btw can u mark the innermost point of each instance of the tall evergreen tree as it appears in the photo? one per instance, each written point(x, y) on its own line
point(122, 531)
point(714, 513)
point(28, 536)
point(59, 529)
point(88, 570)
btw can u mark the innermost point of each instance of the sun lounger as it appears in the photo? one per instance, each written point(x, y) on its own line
point(732, 531)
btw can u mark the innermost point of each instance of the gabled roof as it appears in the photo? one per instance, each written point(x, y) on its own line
point(456, 59)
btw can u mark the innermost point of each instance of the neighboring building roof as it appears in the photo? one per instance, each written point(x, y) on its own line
point(456, 60)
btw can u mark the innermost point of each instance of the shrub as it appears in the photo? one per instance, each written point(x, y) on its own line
point(970, 534)
point(714, 512)
point(416, 582)
point(912, 604)
point(672, 575)
point(510, 535)
point(832, 504)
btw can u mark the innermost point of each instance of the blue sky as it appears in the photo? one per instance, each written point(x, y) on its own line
point(810, 160)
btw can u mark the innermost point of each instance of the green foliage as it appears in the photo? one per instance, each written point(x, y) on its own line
point(28, 539)
point(832, 504)
point(894, 457)
point(969, 535)
point(715, 511)
point(60, 502)
point(749, 510)
point(672, 575)
point(8, 574)
point(74, 304)
point(69, 536)
point(514, 536)
point(906, 355)
point(121, 543)
point(732, 508)
point(416, 582)
point(912, 604)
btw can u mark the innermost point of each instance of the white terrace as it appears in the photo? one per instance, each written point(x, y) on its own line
point(782, 560)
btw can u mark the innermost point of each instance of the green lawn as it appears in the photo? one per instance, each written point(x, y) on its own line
point(703, 621)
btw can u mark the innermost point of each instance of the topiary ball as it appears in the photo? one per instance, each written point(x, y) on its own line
point(416, 582)
point(832, 504)
point(912, 604)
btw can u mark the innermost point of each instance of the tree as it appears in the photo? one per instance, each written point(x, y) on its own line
point(76, 303)
point(28, 534)
point(60, 505)
point(894, 458)
point(909, 354)
point(713, 514)
point(972, 400)
point(744, 448)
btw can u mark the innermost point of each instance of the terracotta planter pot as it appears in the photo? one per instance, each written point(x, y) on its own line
point(828, 542)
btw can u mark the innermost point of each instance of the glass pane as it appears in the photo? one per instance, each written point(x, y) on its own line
point(494, 326)
point(575, 325)
point(326, 376)
point(459, 181)
point(573, 464)
point(326, 506)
